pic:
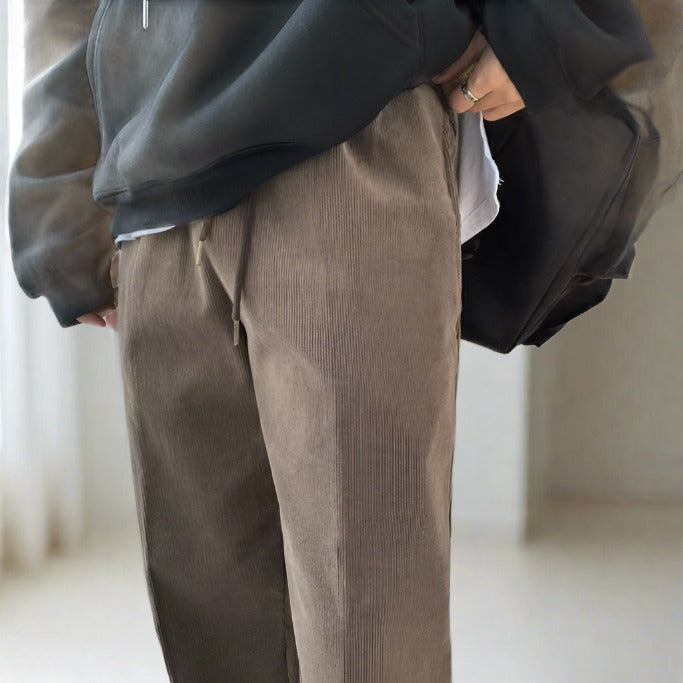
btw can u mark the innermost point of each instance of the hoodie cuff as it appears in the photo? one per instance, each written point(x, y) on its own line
point(68, 302)
point(85, 280)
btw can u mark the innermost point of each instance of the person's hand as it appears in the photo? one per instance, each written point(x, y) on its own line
point(486, 79)
point(102, 317)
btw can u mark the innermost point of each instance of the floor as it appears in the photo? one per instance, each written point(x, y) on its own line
point(597, 597)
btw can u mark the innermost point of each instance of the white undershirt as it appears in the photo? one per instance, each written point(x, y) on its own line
point(478, 180)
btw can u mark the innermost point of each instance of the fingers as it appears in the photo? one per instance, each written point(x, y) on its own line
point(92, 319)
point(502, 111)
point(488, 81)
point(493, 99)
point(100, 318)
point(486, 77)
point(460, 104)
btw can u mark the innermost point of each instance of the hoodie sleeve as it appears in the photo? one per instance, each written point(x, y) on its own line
point(60, 238)
point(565, 49)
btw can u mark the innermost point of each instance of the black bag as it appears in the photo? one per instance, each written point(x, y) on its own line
point(580, 182)
point(566, 227)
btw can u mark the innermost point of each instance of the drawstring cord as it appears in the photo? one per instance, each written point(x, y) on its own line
point(240, 272)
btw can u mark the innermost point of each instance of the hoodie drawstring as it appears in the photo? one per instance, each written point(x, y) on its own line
point(241, 270)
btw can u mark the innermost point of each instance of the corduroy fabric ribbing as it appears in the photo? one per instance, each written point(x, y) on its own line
point(293, 492)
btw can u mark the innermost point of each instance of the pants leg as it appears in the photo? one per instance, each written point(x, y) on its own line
point(296, 489)
point(207, 509)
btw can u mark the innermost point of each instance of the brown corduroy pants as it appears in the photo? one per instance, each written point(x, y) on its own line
point(293, 491)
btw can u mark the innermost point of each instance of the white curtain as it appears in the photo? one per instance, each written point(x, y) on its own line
point(41, 499)
point(40, 460)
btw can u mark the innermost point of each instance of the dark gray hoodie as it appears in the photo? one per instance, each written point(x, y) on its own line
point(140, 114)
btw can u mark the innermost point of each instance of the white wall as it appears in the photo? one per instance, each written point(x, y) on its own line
point(607, 399)
point(489, 470)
